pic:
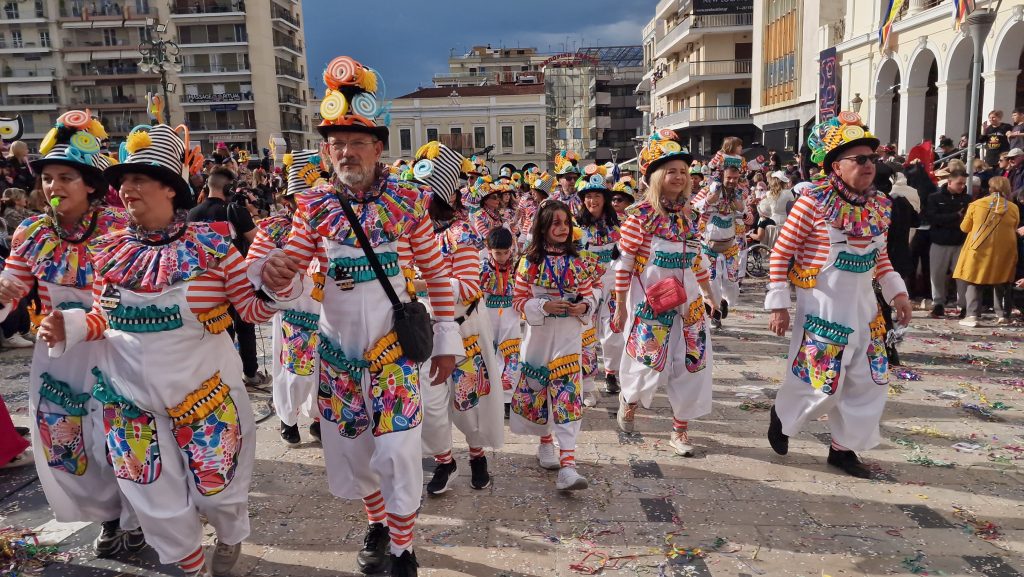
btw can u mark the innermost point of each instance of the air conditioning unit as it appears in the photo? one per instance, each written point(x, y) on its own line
point(527, 80)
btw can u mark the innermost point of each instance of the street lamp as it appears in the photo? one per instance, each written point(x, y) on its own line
point(855, 103)
point(159, 55)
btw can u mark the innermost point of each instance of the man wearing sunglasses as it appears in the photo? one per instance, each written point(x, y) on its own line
point(831, 247)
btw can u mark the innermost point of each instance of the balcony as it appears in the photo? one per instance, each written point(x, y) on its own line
point(215, 41)
point(21, 47)
point(693, 27)
point(701, 115)
point(185, 8)
point(690, 73)
point(32, 74)
point(111, 74)
point(222, 126)
point(17, 17)
point(89, 15)
point(665, 7)
point(288, 44)
point(279, 14)
point(225, 97)
point(212, 69)
point(290, 99)
point(292, 126)
point(25, 103)
point(291, 71)
point(113, 102)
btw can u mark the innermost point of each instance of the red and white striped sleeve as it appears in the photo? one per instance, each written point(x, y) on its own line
point(522, 291)
point(261, 245)
point(889, 280)
point(234, 285)
point(95, 320)
point(427, 257)
point(634, 242)
point(797, 228)
point(303, 242)
point(466, 272)
point(17, 268)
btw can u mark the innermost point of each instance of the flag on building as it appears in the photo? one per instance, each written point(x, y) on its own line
point(961, 8)
point(890, 18)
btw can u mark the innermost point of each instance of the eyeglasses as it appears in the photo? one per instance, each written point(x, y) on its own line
point(619, 199)
point(354, 145)
point(862, 159)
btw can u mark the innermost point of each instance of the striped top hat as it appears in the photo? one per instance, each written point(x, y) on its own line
point(75, 141)
point(159, 153)
point(543, 182)
point(440, 168)
point(354, 100)
point(304, 171)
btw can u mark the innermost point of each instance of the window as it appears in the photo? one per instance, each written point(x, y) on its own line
point(44, 38)
point(109, 37)
point(16, 39)
point(530, 136)
point(506, 137)
point(431, 134)
point(40, 10)
point(405, 136)
point(3, 41)
point(11, 11)
point(479, 136)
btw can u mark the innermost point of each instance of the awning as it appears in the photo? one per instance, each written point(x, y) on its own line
point(30, 89)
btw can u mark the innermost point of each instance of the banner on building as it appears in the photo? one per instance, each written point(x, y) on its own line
point(829, 88)
point(723, 7)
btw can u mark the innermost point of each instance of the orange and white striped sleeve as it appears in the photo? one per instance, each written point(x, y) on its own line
point(426, 256)
point(797, 229)
point(466, 272)
point(234, 286)
point(634, 243)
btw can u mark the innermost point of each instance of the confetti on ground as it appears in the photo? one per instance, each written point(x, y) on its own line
point(978, 411)
point(907, 375)
point(21, 553)
point(987, 530)
point(916, 565)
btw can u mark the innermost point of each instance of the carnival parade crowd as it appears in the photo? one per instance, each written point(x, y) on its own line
point(411, 299)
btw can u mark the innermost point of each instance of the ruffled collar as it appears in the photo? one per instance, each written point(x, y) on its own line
point(277, 228)
point(390, 210)
point(673, 227)
point(855, 216)
point(59, 256)
point(151, 261)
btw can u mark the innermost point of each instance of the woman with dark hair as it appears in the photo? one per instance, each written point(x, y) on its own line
point(920, 246)
point(14, 208)
point(554, 291)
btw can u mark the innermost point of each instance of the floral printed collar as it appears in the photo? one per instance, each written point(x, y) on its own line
point(60, 257)
point(396, 206)
point(853, 215)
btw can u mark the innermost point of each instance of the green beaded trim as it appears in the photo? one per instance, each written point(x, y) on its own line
point(337, 359)
point(359, 268)
point(673, 260)
point(707, 250)
point(498, 301)
point(60, 393)
point(603, 256)
point(304, 320)
point(721, 221)
point(106, 395)
point(835, 332)
point(147, 319)
point(72, 305)
point(539, 374)
point(858, 263)
point(645, 312)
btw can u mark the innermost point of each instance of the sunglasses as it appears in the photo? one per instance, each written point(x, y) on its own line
point(862, 159)
point(619, 199)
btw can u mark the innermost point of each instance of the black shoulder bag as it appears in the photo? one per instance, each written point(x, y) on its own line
point(411, 322)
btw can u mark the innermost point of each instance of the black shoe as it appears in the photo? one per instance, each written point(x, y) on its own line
point(110, 539)
point(848, 462)
point(443, 479)
point(962, 314)
point(373, 558)
point(290, 434)
point(938, 312)
point(22, 431)
point(611, 383)
point(778, 440)
point(404, 565)
point(134, 540)
point(724, 307)
point(479, 477)
point(508, 410)
point(314, 430)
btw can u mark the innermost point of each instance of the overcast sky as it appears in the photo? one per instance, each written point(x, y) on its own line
point(408, 41)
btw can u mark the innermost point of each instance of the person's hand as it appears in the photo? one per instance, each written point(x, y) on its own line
point(902, 310)
point(11, 290)
point(1020, 231)
point(577, 309)
point(779, 322)
point(419, 285)
point(1020, 283)
point(441, 367)
point(278, 272)
point(619, 317)
point(556, 307)
point(51, 330)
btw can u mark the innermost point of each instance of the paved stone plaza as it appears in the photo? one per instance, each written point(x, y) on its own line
point(930, 510)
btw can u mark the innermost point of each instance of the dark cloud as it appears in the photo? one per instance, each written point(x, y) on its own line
point(408, 41)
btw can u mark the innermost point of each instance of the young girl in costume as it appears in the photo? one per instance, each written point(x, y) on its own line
point(554, 290)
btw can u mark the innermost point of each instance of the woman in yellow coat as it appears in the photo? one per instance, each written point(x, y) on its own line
point(989, 255)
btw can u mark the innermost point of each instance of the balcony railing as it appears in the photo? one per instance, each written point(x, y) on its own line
point(292, 71)
point(122, 69)
point(699, 68)
point(27, 72)
point(212, 68)
point(27, 100)
point(704, 22)
point(284, 15)
point(290, 99)
point(222, 97)
point(94, 11)
point(292, 125)
point(287, 43)
point(206, 7)
point(704, 114)
point(120, 44)
point(17, 14)
point(226, 39)
point(108, 100)
point(241, 125)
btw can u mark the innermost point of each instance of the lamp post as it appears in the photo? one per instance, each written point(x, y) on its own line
point(159, 55)
point(856, 102)
point(979, 23)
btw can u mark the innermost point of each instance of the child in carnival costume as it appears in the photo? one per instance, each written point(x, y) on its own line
point(496, 281)
point(567, 172)
point(612, 342)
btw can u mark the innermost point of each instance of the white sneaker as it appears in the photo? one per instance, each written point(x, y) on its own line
point(547, 456)
point(969, 322)
point(17, 342)
point(626, 416)
point(224, 558)
point(681, 443)
point(590, 399)
point(570, 480)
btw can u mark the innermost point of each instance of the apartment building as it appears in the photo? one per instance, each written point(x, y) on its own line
point(701, 79)
point(61, 54)
point(484, 65)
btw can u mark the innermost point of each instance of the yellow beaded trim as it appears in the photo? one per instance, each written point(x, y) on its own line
point(805, 278)
point(695, 313)
point(732, 251)
point(319, 280)
point(639, 265)
point(509, 347)
point(564, 366)
point(200, 402)
point(217, 319)
point(589, 337)
point(878, 327)
point(410, 276)
point(384, 352)
point(471, 345)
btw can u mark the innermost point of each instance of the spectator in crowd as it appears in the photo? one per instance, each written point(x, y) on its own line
point(944, 212)
point(993, 136)
point(14, 208)
point(945, 150)
point(1015, 171)
point(906, 210)
point(920, 244)
point(989, 256)
point(19, 172)
point(1016, 134)
point(982, 173)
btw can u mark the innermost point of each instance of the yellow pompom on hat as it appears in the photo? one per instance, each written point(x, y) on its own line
point(662, 146)
point(830, 138)
point(354, 100)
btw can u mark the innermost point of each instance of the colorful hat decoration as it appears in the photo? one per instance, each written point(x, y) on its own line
point(593, 180)
point(505, 172)
point(160, 153)
point(566, 162)
point(830, 138)
point(305, 171)
point(625, 186)
point(662, 146)
point(478, 189)
point(354, 100)
point(75, 141)
point(543, 182)
point(440, 168)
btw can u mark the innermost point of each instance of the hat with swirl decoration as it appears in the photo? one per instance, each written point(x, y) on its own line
point(625, 186)
point(663, 146)
point(593, 180)
point(566, 162)
point(829, 139)
point(354, 101)
point(75, 141)
point(440, 168)
point(304, 171)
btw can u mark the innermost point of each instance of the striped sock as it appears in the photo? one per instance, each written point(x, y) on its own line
point(836, 446)
point(567, 458)
point(400, 527)
point(475, 453)
point(194, 563)
point(680, 426)
point(443, 458)
point(374, 505)
point(546, 440)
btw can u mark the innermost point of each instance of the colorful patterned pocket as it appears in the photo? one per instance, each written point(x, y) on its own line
point(340, 399)
point(63, 443)
point(395, 396)
point(589, 356)
point(647, 344)
point(299, 345)
point(208, 431)
point(878, 357)
point(530, 400)
point(470, 377)
point(568, 402)
point(132, 447)
point(817, 363)
point(510, 354)
point(696, 338)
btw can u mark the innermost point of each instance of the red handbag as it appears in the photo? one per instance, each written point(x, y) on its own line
point(665, 295)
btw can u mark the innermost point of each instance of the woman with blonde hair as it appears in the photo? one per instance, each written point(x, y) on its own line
point(14, 208)
point(17, 159)
point(667, 343)
point(989, 255)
